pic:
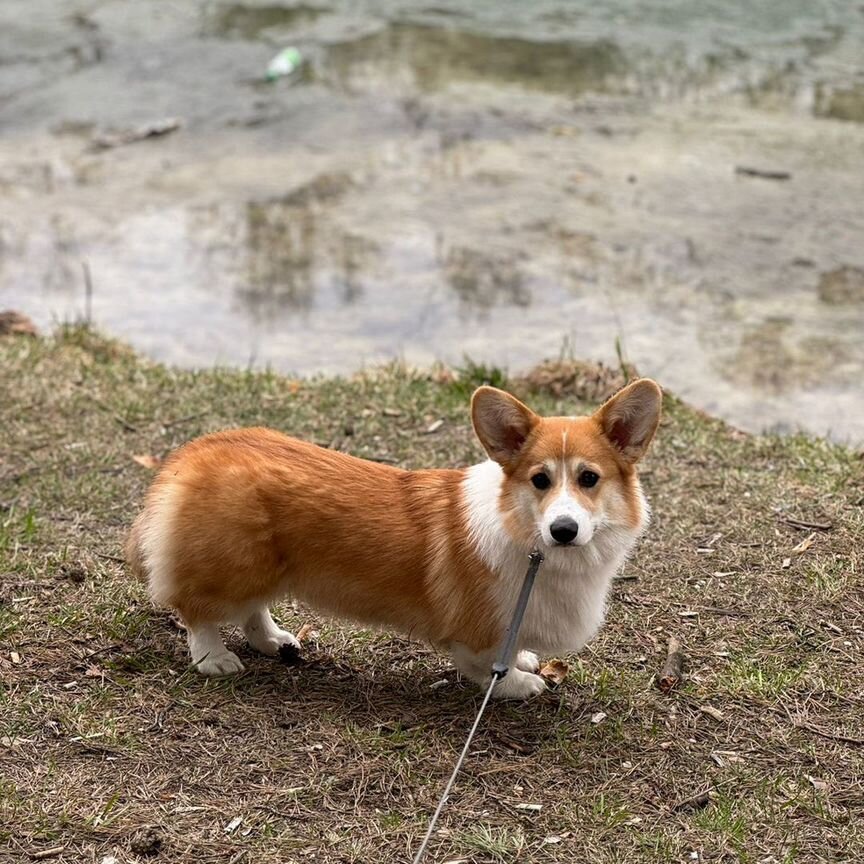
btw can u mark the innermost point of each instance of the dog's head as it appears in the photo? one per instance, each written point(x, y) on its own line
point(566, 478)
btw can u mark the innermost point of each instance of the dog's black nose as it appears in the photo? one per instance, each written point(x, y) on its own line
point(564, 530)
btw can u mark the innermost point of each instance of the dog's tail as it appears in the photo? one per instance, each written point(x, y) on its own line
point(133, 551)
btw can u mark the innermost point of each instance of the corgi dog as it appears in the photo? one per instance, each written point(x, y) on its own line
point(237, 519)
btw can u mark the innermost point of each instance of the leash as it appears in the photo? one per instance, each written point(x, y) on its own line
point(499, 669)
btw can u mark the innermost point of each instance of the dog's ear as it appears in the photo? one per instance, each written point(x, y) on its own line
point(630, 418)
point(502, 423)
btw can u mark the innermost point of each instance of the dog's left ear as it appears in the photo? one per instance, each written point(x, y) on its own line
point(630, 418)
point(502, 423)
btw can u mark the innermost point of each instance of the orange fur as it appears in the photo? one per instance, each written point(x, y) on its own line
point(261, 515)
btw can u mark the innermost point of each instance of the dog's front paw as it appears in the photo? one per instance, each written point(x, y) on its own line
point(220, 665)
point(519, 685)
point(527, 661)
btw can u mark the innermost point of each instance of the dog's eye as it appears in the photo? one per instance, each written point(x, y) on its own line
point(587, 479)
point(541, 481)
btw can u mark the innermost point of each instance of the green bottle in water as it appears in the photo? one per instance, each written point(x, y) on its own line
point(287, 62)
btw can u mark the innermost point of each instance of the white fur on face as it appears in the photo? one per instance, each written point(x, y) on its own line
point(565, 505)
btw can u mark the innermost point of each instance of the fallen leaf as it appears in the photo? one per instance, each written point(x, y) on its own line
point(818, 785)
point(307, 631)
point(233, 825)
point(711, 711)
point(145, 460)
point(805, 544)
point(554, 671)
point(552, 839)
point(93, 672)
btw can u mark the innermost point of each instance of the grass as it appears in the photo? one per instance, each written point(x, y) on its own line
point(111, 746)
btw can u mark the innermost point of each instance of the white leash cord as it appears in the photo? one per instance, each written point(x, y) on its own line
point(499, 669)
point(421, 852)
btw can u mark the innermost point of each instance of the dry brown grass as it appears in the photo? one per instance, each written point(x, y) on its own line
point(105, 734)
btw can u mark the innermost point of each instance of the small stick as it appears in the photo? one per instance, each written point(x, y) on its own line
point(169, 423)
point(694, 802)
point(673, 669)
point(832, 736)
point(114, 558)
point(763, 173)
point(42, 854)
point(88, 293)
point(801, 524)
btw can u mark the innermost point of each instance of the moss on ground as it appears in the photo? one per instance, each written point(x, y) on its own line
point(754, 559)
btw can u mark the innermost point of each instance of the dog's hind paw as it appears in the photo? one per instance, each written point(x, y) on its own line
point(220, 665)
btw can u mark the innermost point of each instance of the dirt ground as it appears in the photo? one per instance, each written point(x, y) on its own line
point(111, 749)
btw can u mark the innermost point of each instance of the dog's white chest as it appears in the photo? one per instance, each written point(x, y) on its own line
point(566, 607)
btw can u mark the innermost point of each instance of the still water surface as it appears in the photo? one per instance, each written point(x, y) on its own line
point(494, 179)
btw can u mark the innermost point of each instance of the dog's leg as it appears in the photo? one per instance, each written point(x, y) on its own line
point(209, 654)
point(517, 684)
point(265, 635)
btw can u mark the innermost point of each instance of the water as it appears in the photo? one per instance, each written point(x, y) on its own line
point(495, 179)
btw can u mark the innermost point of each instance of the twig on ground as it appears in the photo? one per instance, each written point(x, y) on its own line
point(42, 854)
point(169, 423)
point(129, 427)
point(802, 525)
point(114, 558)
point(694, 802)
point(673, 669)
point(832, 736)
point(765, 174)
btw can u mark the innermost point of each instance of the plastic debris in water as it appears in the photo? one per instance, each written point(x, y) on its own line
point(286, 62)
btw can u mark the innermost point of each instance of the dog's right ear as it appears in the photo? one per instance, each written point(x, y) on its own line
point(502, 423)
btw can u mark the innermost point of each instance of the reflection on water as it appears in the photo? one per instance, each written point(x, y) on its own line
point(842, 286)
point(285, 255)
point(242, 21)
point(430, 58)
point(490, 179)
point(482, 282)
point(841, 103)
point(773, 360)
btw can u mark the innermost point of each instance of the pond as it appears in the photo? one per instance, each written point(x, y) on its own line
point(677, 181)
